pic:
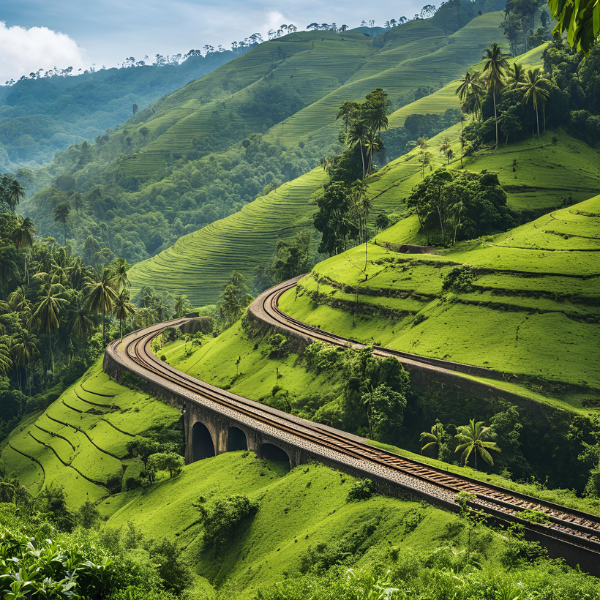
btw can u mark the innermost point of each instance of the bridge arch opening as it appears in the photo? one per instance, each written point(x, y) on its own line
point(236, 440)
point(202, 442)
point(276, 455)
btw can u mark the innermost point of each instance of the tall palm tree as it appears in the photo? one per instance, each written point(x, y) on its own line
point(23, 238)
point(123, 309)
point(83, 326)
point(102, 297)
point(516, 76)
point(180, 304)
point(472, 440)
point(14, 193)
point(119, 279)
point(5, 360)
point(535, 87)
point(18, 300)
point(494, 70)
point(346, 112)
point(470, 93)
point(372, 144)
point(24, 350)
point(363, 206)
point(46, 315)
point(433, 438)
point(357, 136)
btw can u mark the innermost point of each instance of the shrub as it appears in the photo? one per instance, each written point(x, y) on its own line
point(361, 490)
point(166, 461)
point(278, 346)
point(132, 483)
point(222, 521)
point(459, 279)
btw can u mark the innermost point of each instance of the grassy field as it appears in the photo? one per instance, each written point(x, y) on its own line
point(79, 441)
point(534, 301)
point(304, 509)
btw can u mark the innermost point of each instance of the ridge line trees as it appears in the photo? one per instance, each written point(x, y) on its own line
point(496, 63)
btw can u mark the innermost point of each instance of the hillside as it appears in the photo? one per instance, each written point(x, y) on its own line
point(199, 264)
point(40, 117)
point(533, 301)
point(182, 163)
point(79, 441)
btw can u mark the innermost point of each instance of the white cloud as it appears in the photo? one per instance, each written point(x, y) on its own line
point(275, 19)
point(23, 51)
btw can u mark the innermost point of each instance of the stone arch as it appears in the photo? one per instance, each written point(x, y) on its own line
point(202, 442)
point(274, 453)
point(236, 440)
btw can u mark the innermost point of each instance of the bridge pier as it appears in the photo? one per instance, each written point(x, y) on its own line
point(209, 433)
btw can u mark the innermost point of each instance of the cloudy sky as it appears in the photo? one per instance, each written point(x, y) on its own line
point(46, 33)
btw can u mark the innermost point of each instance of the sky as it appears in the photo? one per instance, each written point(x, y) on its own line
point(38, 34)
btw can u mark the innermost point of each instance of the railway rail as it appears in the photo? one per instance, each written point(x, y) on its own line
point(569, 528)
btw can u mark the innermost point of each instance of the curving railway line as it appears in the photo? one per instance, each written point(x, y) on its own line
point(567, 532)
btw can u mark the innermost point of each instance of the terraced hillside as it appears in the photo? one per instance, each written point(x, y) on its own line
point(200, 263)
point(79, 441)
point(534, 302)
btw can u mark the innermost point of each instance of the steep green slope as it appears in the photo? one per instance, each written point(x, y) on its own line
point(200, 263)
point(79, 441)
point(160, 164)
point(39, 117)
point(533, 303)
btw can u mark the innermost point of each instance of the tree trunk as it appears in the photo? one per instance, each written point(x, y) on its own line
point(121, 327)
point(537, 121)
point(51, 351)
point(495, 117)
point(362, 157)
point(103, 317)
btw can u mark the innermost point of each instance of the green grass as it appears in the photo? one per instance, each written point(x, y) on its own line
point(78, 444)
point(535, 305)
point(200, 263)
point(306, 507)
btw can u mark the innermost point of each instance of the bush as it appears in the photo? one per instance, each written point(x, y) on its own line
point(166, 461)
point(222, 521)
point(362, 489)
point(459, 279)
point(132, 483)
point(278, 346)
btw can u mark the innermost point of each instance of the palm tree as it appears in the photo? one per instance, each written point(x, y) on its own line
point(180, 305)
point(425, 160)
point(119, 279)
point(433, 438)
point(83, 326)
point(23, 238)
point(363, 205)
point(496, 63)
point(472, 439)
point(124, 309)
point(372, 144)
point(449, 154)
point(357, 136)
point(24, 350)
point(13, 193)
point(535, 88)
point(346, 112)
point(102, 297)
point(5, 360)
point(516, 76)
point(470, 92)
point(46, 315)
point(18, 300)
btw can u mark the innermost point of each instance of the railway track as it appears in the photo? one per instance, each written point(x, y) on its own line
point(564, 525)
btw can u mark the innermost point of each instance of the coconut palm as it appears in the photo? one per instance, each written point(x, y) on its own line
point(83, 326)
point(123, 310)
point(470, 93)
point(180, 305)
point(363, 206)
point(5, 360)
point(535, 88)
point(46, 315)
point(23, 238)
point(101, 297)
point(13, 192)
point(433, 438)
point(372, 144)
point(346, 112)
point(516, 76)
point(471, 439)
point(24, 349)
point(119, 279)
point(357, 136)
point(494, 71)
point(18, 301)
